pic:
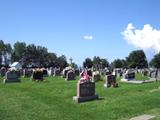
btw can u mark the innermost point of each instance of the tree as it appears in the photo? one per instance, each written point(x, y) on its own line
point(96, 62)
point(18, 51)
point(137, 59)
point(87, 63)
point(51, 59)
point(2, 48)
point(155, 62)
point(74, 65)
point(104, 63)
point(124, 63)
point(61, 62)
point(5, 52)
point(117, 63)
point(37, 56)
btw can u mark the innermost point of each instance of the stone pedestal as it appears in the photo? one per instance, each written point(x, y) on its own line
point(85, 92)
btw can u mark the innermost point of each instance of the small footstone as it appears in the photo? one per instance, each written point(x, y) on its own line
point(143, 117)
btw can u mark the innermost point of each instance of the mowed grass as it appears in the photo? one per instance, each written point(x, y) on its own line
point(52, 100)
point(141, 77)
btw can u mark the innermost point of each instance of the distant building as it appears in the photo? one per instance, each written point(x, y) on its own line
point(16, 65)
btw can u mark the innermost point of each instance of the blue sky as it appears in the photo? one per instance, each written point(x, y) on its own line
point(79, 28)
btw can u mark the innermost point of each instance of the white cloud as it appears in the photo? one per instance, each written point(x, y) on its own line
point(88, 37)
point(145, 38)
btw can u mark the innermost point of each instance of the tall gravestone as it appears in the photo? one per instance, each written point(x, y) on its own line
point(85, 92)
point(110, 81)
point(11, 76)
point(37, 75)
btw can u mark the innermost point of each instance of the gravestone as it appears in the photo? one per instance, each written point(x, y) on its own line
point(110, 81)
point(45, 72)
point(117, 72)
point(3, 71)
point(50, 71)
point(37, 75)
point(130, 74)
point(70, 75)
point(96, 76)
point(85, 92)
point(158, 75)
point(56, 72)
point(11, 76)
point(89, 72)
point(153, 74)
point(145, 72)
point(27, 72)
point(77, 72)
point(65, 70)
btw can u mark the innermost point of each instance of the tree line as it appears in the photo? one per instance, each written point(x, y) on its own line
point(38, 56)
point(30, 55)
point(135, 59)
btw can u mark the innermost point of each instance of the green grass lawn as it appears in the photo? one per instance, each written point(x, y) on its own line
point(141, 77)
point(52, 100)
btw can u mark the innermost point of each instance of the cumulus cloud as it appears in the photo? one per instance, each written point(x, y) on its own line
point(145, 38)
point(88, 37)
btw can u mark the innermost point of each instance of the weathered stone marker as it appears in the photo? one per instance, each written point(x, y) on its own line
point(85, 91)
point(11, 76)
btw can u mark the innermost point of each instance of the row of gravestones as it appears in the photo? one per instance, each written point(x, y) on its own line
point(11, 76)
point(130, 73)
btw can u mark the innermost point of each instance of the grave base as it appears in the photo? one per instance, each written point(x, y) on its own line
point(11, 80)
point(138, 81)
point(143, 117)
point(83, 99)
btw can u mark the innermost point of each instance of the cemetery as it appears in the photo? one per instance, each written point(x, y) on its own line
point(51, 88)
point(81, 98)
point(79, 60)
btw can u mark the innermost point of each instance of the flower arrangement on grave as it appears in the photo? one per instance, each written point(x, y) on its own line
point(84, 77)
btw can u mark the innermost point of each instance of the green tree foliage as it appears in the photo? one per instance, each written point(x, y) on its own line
point(96, 62)
point(61, 62)
point(104, 63)
point(117, 63)
point(124, 63)
point(74, 65)
point(18, 51)
point(87, 63)
point(155, 62)
point(137, 59)
point(51, 58)
point(5, 51)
